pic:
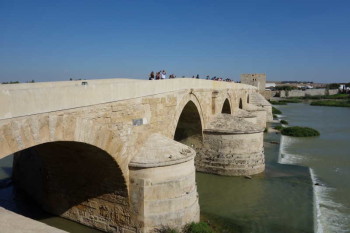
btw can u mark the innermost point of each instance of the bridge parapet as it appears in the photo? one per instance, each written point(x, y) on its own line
point(28, 99)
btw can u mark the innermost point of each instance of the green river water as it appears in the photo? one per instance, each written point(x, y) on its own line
point(283, 199)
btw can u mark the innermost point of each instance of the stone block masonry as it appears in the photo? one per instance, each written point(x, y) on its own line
point(232, 147)
point(307, 92)
point(84, 146)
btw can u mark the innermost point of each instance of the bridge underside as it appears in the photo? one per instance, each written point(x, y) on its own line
point(76, 181)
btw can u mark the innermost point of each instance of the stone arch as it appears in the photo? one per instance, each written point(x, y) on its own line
point(240, 105)
point(226, 107)
point(67, 177)
point(37, 142)
point(25, 132)
point(185, 100)
point(189, 123)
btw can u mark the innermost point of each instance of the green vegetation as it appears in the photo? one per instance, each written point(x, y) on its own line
point(278, 127)
point(200, 227)
point(285, 88)
point(276, 111)
point(12, 82)
point(15, 82)
point(284, 122)
point(338, 96)
point(285, 101)
point(275, 116)
point(333, 86)
point(277, 102)
point(297, 131)
point(331, 103)
point(319, 97)
point(291, 100)
point(167, 230)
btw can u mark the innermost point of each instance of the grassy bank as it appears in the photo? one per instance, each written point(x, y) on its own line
point(297, 131)
point(277, 102)
point(284, 102)
point(331, 103)
point(320, 97)
point(200, 227)
point(276, 111)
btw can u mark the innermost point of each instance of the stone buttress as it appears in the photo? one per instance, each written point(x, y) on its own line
point(259, 100)
point(162, 185)
point(231, 146)
point(248, 116)
point(260, 112)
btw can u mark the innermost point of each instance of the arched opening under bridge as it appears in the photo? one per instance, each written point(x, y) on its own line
point(226, 108)
point(240, 103)
point(74, 179)
point(189, 126)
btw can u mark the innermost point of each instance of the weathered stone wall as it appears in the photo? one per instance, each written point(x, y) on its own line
point(162, 185)
point(165, 196)
point(241, 154)
point(232, 147)
point(119, 129)
point(309, 92)
point(267, 94)
point(256, 80)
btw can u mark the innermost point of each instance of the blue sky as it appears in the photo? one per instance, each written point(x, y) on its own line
point(288, 40)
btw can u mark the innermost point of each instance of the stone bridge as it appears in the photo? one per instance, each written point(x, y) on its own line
point(106, 153)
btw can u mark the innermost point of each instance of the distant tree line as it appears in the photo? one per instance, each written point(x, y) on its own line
point(285, 88)
point(333, 86)
point(337, 85)
point(296, 82)
point(11, 82)
point(15, 82)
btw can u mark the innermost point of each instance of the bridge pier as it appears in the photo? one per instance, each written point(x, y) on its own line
point(162, 185)
point(232, 147)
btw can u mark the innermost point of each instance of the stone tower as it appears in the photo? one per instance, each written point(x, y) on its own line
point(257, 80)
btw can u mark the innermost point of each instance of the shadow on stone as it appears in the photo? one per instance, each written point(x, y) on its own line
point(75, 180)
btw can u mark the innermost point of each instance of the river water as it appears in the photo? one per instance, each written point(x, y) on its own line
point(282, 199)
point(328, 158)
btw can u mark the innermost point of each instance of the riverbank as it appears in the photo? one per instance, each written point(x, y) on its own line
point(331, 103)
point(338, 100)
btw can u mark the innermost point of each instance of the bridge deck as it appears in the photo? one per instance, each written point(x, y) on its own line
point(32, 98)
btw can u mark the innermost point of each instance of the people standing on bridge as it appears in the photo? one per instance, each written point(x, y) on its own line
point(158, 76)
point(208, 78)
point(163, 74)
point(197, 77)
point(151, 76)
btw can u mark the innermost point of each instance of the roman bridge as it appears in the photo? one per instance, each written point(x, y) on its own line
point(106, 153)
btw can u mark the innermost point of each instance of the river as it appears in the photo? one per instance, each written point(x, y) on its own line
point(282, 199)
point(328, 158)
